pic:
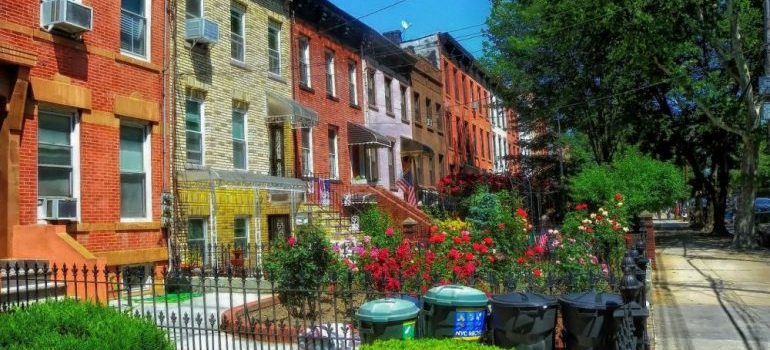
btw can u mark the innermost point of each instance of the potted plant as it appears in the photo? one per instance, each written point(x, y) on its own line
point(359, 180)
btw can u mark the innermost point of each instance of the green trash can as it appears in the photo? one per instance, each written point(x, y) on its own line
point(454, 312)
point(387, 319)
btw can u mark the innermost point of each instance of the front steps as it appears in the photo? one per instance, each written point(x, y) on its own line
point(28, 281)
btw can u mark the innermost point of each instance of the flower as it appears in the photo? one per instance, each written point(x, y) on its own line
point(433, 229)
point(501, 226)
point(589, 230)
point(594, 259)
point(336, 248)
point(537, 273)
point(581, 206)
point(453, 254)
point(457, 240)
point(491, 258)
point(488, 241)
point(389, 232)
point(469, 256)
point(292, 241)
point(539, 249)
point(620, 204)
point(625, 229)
point(521, 213)
point(520, 260)
point(529, 253)
point(618, 197)
point(367, 239)
point(593, 215)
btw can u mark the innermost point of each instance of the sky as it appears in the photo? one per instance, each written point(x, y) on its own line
point(464, 19)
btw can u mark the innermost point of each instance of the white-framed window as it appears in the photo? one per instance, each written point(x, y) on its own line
point(353, 83)
point(306, 150)
point(194, 131)
point(389, 95)
point(58, 155)
point(135, 165)
point(237, 34)
point(241, 234)
point(370, 90)
point(193, 8)
point(303, 43)
point(331, 86)
point(334, 163)
point(196, 238)
point(134, 24)
point(239, 139)
point(274, 47)
point(136, 277)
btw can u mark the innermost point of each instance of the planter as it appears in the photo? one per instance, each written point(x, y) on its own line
point(359, 181)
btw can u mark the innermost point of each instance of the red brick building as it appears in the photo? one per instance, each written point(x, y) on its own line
point(81, 166)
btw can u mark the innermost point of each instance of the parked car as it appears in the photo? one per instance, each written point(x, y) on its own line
point(762, 204)
point(762, 222)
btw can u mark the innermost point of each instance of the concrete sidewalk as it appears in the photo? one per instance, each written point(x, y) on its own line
point(707, 296)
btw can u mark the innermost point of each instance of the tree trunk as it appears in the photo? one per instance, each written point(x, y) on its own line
point(745, 237)
point(720, 200)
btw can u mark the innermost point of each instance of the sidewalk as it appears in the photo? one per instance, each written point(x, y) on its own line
point(707, 296)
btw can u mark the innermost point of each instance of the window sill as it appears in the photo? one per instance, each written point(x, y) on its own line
point(405, 121)
point(352, 105)
point(374, 108)
point(276, 77)
point(333, 98)
point(390, 114)
point(417, 124)
point(240, 64)
point(131, 55)
point(306, 88)
point(135, 220)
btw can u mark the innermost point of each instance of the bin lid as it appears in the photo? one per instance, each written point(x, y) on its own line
point(524, 300)
point(456, 295)
point(387, 310)
point(592, 300)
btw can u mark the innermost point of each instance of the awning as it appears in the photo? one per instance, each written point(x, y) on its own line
point(244, 178)
point(409, 146)
point(361, 135)
point(281, 109)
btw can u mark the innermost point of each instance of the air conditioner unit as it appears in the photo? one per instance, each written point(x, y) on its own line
point(57, 208)
point(65, 15)
point(201, 31)
point(429, 121)
point(475, 106)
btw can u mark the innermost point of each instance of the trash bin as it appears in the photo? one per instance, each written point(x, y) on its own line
point(454, 312)
point(588, 319)
point(387, 319)
point(525, 321)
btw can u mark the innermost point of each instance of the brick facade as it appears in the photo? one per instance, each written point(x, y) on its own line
point(92, 78)
point(428, 126)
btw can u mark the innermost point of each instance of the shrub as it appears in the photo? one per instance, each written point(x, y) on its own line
point(420, 344)
point(298, 266)
point(73, 325)
point(379, 226)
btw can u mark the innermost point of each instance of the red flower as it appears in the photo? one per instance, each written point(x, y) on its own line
point(389, 232)
point(470, 268)
point(292, 241)
point(537, 273)
point(581, 206)
point(589, 230)
point(520, 212)
point(433, 229)
point(469, 256)
point(477, 246)
point(539, 249)
point(430, 256)
point(439, 238)
point(520, 260)
point(618, 197)
point(488, 240)
point(457, 240)
point(530, 253)
point(599, 218)
point(453, 254)
point(483, 249)
point(492, 258)
point(501, 226)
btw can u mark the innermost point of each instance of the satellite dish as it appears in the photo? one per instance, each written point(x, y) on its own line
point(405, 25)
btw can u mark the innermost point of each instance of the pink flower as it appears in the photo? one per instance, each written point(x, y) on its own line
point(336, 248)
point(594, 260)
point(389, 232)
point(292, 241)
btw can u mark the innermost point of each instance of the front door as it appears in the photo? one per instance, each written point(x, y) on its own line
point(276, 150)
point(278, 227)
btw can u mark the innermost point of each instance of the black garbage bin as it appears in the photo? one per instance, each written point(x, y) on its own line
point(588, 320)
point(525, 321)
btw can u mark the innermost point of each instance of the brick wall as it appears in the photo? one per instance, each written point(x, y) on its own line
point(332, 112)
point(426, 81)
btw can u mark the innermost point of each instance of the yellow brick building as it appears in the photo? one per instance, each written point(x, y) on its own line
point(233, 145)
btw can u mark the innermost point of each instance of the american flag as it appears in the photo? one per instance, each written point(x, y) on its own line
point(406, 185)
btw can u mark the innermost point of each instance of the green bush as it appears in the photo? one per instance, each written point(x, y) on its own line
point(380, 227)
point(73, 325)
point(420, 344)
point(298, 267)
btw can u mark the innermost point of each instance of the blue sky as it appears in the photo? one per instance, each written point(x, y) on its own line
point(426, 17)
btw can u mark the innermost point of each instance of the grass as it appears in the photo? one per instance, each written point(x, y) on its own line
point(170, 298)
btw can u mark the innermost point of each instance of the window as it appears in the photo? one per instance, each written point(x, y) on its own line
point(306, 149)
point(55, 153)
point(237, 28)
point(331, 89)
point(370, 91)
point(446, 78)
point(194, 9)
point(274, 47)
point(194, 133)
point(134, 166)
point(418, 170)
point(391, 168)
point(304, 61)
point(196, 238)
point(276, 149)
point(429, 118)
point(239, 139)
point(404, 116)
point(465, 90)
point(439, 118)
point(431, 172)
point(133, 27)
point(457, 86)
point(441, 165)
point(241, 234)
point(353, 83)
point(334, 166)
point(388, 95)
point(416, 108)
point(136, 277)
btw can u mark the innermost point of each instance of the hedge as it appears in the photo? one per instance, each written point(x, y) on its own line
point(73, 325)
point(425, 344)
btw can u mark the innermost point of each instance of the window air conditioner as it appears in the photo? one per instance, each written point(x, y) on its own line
point(58, 208)
point(65, 15)
point(475, 106)
point(201, 31)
